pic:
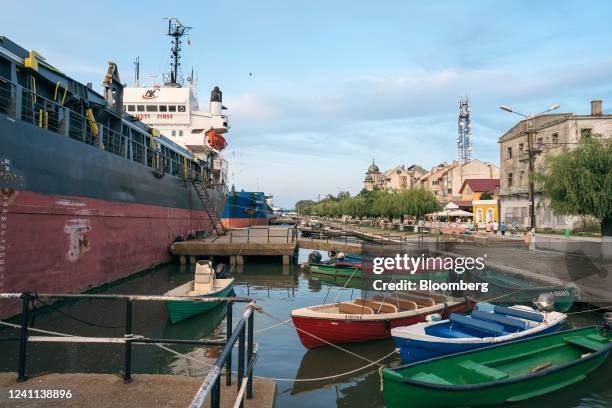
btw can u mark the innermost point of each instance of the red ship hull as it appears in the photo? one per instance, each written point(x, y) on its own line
point(69, 244)
point(338, 331)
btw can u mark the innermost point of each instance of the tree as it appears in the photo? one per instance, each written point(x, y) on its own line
point(344, 194)
point(487, 195)
point(579, 182)
point(302, 206)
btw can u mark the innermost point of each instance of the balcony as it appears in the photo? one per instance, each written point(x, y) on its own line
point(514, 190)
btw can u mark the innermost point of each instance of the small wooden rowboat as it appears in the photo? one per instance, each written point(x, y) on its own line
point(486, 326)
point(369, 319)
point(494, 375)
point(205, 284)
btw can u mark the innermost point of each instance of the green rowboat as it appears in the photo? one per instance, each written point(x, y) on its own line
point(331, 270)
point(510, 372)
point(204, 285)
point(348, 272)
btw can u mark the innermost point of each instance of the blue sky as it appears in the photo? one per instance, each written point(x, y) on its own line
point(336, 83)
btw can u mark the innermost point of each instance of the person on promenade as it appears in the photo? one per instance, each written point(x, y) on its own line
point(514, 228)
point(489, 226)
point(495, 227)
point(503, 228)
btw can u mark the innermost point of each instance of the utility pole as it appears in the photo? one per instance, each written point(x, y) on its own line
point(531, 152)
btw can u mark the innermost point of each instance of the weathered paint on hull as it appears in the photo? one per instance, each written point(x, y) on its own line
point(179, 311)
point(244, 222)
point(338, 331)
point(68, 244)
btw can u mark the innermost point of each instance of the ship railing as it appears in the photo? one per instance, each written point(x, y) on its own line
point(242, 334)
point(23, 104)
point(267, 235)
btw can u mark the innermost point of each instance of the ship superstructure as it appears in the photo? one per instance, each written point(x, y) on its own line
point(173, 108)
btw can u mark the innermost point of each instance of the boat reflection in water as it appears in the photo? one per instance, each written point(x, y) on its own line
point(354, 389)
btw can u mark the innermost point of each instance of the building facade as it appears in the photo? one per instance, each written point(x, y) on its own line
point(446, 180)
point(553, 134)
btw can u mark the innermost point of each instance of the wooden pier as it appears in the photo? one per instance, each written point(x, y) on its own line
point(239, 243)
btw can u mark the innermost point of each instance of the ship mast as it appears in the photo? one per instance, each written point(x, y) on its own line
point(176, 30)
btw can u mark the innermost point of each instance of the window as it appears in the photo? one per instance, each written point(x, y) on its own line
point(151, 108)
point(509, 153)
point(509, 180)
point(181, 108)
point(171, 108)
point(180, 133)
point(131, 108)
point(521, 147)
point(521, 177)
point(555, 139)
point(140, 108)
point(174, 133)
point(585, 133)
point(163, 108)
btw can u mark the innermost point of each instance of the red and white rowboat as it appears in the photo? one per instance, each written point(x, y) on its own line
point(369, 319)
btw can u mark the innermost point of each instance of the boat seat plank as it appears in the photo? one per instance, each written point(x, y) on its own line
point(521, 314)
point(488, 327)
point(352, 308)
point(480, 372)
point(429, 378)
point(497, 318)
point(586, 342)
point(402, 304)
point(377, 306)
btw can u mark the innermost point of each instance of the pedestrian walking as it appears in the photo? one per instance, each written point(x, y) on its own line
point(503, 228)
point(495, 227)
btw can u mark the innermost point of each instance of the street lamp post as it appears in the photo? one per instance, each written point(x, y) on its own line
point(531, 153)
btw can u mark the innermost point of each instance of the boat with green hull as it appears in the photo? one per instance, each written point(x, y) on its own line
point(348, 272)
point(205, 284)
point(510, 372)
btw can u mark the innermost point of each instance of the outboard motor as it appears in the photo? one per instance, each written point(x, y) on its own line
point(434, 317)
point(221, 271)
point(545, 302)
point(607, 320)
point(315, 257)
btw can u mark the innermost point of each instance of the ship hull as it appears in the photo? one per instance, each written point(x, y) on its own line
point(75, 216)
point(245, 209)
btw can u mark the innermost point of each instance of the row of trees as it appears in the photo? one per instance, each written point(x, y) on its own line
point(377, 203)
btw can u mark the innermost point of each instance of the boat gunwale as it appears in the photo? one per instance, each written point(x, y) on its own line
point(406, 333)
point(489, 384)
point(230, 283)
point(309, 313)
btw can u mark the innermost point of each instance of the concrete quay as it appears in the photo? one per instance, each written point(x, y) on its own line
point(109, 390)
point(239, 243)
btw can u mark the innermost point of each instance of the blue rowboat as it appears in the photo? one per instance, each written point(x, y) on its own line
point(486, 326)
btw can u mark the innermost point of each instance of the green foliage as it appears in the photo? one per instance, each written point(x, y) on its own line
point(579, 182)
point(487, 195)
point(378, 203)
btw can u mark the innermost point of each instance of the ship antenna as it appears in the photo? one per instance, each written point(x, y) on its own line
point(137, 72)
point(176, 30)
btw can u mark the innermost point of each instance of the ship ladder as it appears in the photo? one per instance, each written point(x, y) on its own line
point(209, 207)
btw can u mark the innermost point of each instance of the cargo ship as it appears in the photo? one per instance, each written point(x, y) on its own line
point(247, 208)
point(88, 192)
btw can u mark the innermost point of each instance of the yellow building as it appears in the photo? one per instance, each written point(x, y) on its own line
point(485, 211)
point(473, 188)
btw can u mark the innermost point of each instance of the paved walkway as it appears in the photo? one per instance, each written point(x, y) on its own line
point(108, 390)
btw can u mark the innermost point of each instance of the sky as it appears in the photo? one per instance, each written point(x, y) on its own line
point(315, 90)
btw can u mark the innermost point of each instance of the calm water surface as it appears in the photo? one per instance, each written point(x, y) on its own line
point(278, 290)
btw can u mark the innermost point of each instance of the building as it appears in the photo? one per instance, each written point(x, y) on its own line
point(446, 180)
point(554, 134)
point(398, 178)
point(403, 177)
point(374, 179)
point(485, 211)
point(473, 188)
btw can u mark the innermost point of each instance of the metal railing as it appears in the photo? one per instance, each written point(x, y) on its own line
point(211, 384)
point(23, 104)
point(251, 235)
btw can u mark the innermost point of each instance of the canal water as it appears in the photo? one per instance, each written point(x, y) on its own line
point(277, 290)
